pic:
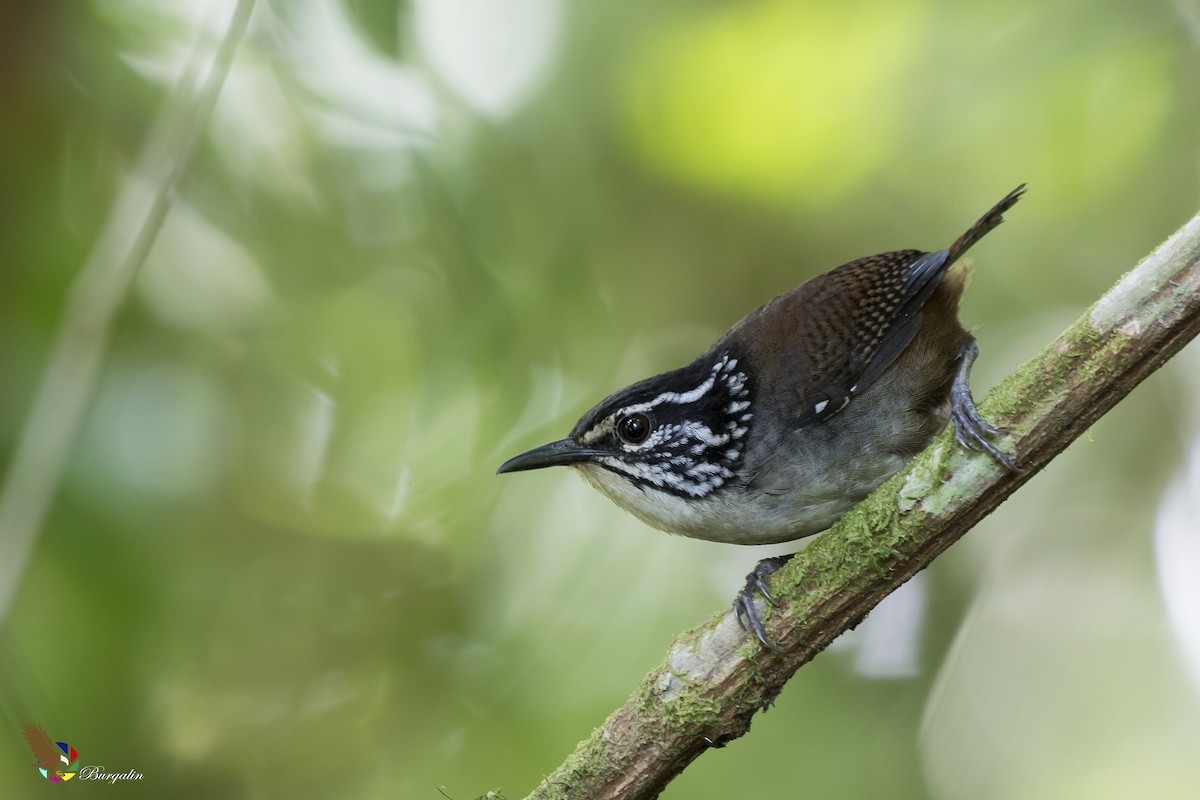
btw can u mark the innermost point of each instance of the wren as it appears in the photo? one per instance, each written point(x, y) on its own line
point(797, 412)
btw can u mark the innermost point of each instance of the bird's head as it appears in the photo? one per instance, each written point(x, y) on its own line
point(661, 444)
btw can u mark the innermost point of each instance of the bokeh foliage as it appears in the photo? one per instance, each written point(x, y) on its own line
point(419, 237)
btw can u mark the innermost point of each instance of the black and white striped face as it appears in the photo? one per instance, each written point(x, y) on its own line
point(683, 432)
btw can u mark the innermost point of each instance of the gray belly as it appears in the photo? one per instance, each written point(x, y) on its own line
point(800, 482)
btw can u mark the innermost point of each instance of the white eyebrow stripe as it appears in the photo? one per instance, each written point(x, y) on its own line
point(736, 384)
point(679, 398)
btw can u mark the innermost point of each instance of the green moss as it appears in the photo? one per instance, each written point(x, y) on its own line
point(690, 707)
point(750, 653)
point(647, 699)
point(1034, 383)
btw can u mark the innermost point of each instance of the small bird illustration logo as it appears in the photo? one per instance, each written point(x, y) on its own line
point(53, 760)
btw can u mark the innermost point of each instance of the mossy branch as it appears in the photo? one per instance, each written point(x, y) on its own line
point(715, 678)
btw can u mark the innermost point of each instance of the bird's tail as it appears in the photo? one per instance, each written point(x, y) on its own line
point(985, 223)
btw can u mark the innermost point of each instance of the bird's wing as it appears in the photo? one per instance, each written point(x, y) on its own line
point(858, 320)
point(887, 292)
point(43, 749)
point(892, 288)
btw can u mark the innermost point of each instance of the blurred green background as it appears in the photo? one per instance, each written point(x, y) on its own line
point(419, 237)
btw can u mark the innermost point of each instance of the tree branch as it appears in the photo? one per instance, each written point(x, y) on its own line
point(715, 678)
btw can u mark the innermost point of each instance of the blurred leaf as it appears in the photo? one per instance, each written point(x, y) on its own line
point(756, 97)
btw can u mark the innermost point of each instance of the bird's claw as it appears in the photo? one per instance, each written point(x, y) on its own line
point(970, 429)
point(743, 604)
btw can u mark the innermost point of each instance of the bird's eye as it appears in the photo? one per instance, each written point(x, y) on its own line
point(634, 428)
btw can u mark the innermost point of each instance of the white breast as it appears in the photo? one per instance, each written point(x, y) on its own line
point(723, 516)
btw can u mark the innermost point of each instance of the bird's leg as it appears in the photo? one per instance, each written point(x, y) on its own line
point(970, 429)
point(743, 604)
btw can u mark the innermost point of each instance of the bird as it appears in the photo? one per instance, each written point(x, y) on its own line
point(795, 414)
point(44, 751)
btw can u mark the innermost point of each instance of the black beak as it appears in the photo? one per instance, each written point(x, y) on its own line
point(564, 451)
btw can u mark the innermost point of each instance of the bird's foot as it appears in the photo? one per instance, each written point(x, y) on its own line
point(743, 604)
point(970, 429)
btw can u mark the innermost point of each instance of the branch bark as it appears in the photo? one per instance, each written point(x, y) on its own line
point(715, 678)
